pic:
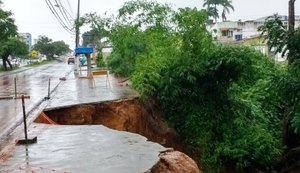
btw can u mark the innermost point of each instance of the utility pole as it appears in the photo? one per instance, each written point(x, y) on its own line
point(77, 37)
point(291, 15)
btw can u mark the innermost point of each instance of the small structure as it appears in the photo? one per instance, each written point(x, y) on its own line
point(101, 73)
point(87, 51)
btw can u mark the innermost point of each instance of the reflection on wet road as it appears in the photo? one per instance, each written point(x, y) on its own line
point(82, 149)
point(32, 82)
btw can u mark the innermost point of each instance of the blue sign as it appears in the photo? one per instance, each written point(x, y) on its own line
point(84, 50)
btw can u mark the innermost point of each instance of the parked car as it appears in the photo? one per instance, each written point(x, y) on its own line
point(71, 60)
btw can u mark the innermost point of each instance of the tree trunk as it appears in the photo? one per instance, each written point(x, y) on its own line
point(4, 60)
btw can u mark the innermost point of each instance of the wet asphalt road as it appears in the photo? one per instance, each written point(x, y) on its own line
point(32, 82)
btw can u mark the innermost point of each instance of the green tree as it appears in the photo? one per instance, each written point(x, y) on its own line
point(287, 41)
point(44, 46)
point(208, 93)
point(13, 47)
point(60, 48)
point(7, 25)
point(279, 37)
point(99, 30)
point(97, 36)
point(49, 48)
point(138, 27)
point(8, 29)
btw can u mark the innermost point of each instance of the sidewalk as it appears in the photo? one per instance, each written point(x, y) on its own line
point(81, 90)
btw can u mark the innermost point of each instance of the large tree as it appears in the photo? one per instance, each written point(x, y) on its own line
point(7, 29)
point(287, 41)
point(12, 47)
point(96, 36)
point(137, 29)
point(49, 48)
point(60, 47)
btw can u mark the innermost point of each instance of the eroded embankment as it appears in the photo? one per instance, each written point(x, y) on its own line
point(130, 115)
point(124, 115)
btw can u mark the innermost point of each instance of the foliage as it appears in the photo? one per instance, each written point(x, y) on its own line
point(49, 48)
point(100, 61)
point(7, 25)
point(280, 38)
point(214, 96)
point(134, 36)
point(289, 85)
point(8, 32)
point(44, 46)
point(287, 42)
point(14, 47)
point(127, 42)
point(145, 14)
point(60, 48)
point(218, 104)
point(224, 101)
point(99, 30)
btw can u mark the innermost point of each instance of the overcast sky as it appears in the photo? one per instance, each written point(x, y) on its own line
point(34, 16)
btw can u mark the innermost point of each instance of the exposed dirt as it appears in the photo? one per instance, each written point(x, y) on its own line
point(175, 162)
point(124, 115)
point(133, 116)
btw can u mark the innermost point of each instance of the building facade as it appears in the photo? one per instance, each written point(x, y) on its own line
point(230, 31)
point(245, 32)
point(27, 38)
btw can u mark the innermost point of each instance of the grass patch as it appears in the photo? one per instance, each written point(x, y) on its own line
point(2, 69)
point(36, 64)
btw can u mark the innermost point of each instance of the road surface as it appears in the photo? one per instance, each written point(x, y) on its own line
point(32, 82)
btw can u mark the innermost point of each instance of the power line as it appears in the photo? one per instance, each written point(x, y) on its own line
point(56, 15)
point(67, 12)
point(68, 2)
point(52, 8)
point(63, 13)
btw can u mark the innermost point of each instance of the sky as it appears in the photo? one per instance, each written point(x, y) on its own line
point(35, 17)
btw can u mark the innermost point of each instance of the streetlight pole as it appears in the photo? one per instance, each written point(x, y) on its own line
point(77, 37)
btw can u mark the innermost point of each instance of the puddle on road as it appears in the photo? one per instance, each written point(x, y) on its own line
point(124, 115)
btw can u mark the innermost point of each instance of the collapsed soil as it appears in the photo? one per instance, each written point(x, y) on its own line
point(124, 115)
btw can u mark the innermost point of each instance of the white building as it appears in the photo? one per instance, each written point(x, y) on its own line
point(230, 31)
point(242, 31)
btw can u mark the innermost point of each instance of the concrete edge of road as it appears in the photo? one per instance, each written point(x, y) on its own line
point(31, 113)
point(15, 71)
point(20, 69)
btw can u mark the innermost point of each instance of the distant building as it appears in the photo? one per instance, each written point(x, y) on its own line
point(230, 31)
point(243, 32)
point(26, 37)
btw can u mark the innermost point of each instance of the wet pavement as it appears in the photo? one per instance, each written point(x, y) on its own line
point(81, 90)
point(79, 149)
point(31, 82)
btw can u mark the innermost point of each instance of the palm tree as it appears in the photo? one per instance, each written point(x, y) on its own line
point(226, 4)
point(212, 8)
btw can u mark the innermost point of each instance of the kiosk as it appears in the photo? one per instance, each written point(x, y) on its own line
point(87, 51)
